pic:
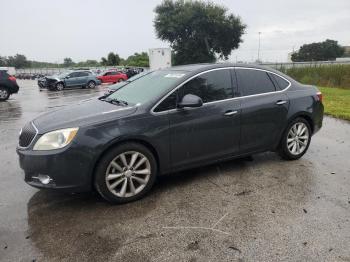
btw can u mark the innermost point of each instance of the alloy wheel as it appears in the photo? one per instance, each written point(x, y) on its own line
point(298, 138)
point(3, 94)
point(91, 85)
point(128, 174)
point(59, 86)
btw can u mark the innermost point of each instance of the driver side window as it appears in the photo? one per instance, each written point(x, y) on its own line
point(212, 86)
point(71, 75)
point(168, 103)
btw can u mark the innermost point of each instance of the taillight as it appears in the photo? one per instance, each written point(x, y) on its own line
point(320, 96)
point(12, 78)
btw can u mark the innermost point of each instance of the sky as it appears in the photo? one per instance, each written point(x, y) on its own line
point(89, 29)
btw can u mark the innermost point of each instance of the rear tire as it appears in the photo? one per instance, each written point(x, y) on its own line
point(125, 173)
point(295, 139)
point(91, 84)
point(120, 80)
point(4, 94)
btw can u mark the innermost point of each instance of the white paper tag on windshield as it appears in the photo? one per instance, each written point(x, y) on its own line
point(174, 75)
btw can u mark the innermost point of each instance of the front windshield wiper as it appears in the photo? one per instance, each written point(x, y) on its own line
point(115, 101)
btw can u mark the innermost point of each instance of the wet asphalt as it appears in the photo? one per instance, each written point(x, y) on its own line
point(258, 209)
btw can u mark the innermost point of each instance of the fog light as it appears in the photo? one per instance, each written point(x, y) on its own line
point(44, 179)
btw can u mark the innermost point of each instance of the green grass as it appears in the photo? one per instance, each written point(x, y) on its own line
point(321, 75)
point(336, 102)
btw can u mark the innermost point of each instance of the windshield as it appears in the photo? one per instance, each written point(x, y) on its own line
point(147, 87)
point(61, 75)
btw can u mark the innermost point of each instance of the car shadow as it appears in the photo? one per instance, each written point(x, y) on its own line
point(85, 224)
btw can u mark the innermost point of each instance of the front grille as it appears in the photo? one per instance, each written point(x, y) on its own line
point(27, 135)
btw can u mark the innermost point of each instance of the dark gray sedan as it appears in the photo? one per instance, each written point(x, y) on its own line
point(166, 121)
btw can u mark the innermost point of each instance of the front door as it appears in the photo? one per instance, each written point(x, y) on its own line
point(72, 79)
point(211, 131)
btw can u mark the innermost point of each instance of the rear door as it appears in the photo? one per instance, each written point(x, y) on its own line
point(264, 109)
point(83, 78)
point(114, 77)
point(208, 132)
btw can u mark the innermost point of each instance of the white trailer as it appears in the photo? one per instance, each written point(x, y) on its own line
point(159, 58)
point(9, 70)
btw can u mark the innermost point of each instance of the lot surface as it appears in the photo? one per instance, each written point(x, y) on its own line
point(259, 209)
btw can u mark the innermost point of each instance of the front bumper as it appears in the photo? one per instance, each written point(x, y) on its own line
point(47, 83)
point(69, 169)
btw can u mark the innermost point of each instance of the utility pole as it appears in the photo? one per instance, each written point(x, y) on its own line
point(259, 48)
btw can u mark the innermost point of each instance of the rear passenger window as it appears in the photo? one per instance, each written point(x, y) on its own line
point(281, 83)
point(212, 86)
point(252, 82)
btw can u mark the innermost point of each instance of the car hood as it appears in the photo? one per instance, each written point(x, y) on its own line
point(85, 113)
point(52, 77)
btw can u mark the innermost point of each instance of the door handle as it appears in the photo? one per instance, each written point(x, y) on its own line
point(281, 102)
point(230, 113)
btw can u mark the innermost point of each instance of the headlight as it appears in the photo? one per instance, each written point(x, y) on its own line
point(56, 139)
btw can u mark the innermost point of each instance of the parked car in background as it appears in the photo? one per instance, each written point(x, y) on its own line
point(112, 77)
point(118, 85)
point(166, 121)
point(8, 85)
point(132, 71)
point(84, 79)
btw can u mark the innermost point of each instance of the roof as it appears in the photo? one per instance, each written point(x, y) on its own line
point(197, 68)
point(208, 66)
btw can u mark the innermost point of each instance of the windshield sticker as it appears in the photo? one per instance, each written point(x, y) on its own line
point(174, 75)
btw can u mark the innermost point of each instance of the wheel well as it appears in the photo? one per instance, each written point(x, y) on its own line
point(308, 119)
point(139, 141)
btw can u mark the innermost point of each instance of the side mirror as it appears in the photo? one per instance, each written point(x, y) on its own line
point(190, 100)
point(67, 77)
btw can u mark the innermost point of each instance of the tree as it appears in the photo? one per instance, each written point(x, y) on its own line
point(67, 62)
point(198, 31)
point(3, 61)
point(137, 59)
point(104, 61)
point(321, 51)
point(91, 63)
point(111, 59)
point(118, 59)
point(18, 61)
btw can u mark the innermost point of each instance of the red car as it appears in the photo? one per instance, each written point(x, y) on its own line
point(112, 77)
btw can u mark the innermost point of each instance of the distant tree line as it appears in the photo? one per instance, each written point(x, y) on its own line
point(112, 59)
point(322, 51)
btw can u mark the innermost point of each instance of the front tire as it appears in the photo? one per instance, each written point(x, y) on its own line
point(4, 94)
point(295, 140)
point(59, 86)
point(125, 173)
